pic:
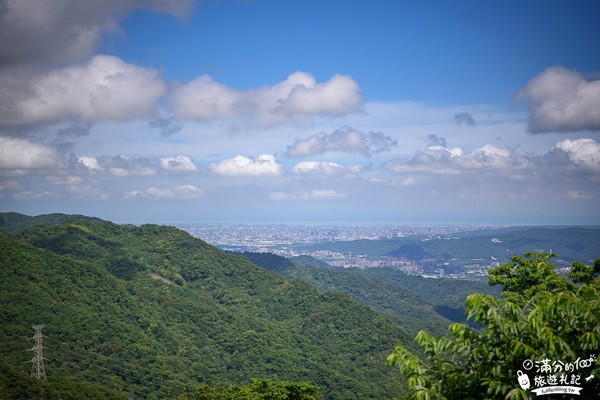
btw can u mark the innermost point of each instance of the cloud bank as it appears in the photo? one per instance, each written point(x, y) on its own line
point(444, 160)
point(583, 153)
point(103, 88)
point(317, 194)
point(295, 99)
point(21, 154)
point(343, 140)
point(177, 192)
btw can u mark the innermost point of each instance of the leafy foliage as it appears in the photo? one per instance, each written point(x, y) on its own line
point(527, 276)
point(558, 321)
point(18, 385)
point(258, 389)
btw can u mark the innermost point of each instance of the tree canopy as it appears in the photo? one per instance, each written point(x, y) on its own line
point(544, 326)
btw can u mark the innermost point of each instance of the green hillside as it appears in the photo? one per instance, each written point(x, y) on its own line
point(151, 312)
point(415, 302)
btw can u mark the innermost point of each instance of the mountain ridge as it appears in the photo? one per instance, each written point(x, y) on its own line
point(224, 320)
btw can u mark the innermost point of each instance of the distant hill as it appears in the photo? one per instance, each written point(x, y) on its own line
point(150, 312)
point(415, 302)
point(569, 243)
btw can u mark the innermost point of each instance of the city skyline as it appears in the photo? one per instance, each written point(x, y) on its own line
point(318, 111)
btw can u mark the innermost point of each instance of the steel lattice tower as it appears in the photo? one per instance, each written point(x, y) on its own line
point(37, 362)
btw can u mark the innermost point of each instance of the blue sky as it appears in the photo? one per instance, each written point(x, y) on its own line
point(302, 111)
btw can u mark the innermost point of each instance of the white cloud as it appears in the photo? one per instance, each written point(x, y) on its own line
point(178, 192)
point(90, 163)
point(135, 171)
point(136, 166)
point(443, 160)
point(317, 194)
point(29, 195)
point(240, 165)
point(344, 140)
point(323, 168)
point(21, 154)
point(584, 153)
point(203, 99)
point(562, 100)
point(297, 98)
point(178, 163)
point(104, 88)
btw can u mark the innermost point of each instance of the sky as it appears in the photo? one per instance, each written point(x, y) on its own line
point(378, 111)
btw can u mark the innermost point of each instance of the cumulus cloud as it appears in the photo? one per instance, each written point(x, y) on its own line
point(21, 154)
point(103, 88)
point(178, 163)
point(561, 100)
point(443, 160)
point(317, 194)
point(584, 153)
point(34, 32)
point(323, 168)
point(178, 192)
point(122, 165)
point(240, 165)
point(464, 118)
point(297, 98)
point(344, 140)
point(90, 163)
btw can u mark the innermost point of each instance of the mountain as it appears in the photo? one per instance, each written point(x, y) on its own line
point(15, 222)
point(415, 302)
point(569, 243)
point(151, 312)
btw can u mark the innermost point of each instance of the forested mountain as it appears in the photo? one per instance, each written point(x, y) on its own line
point(151, 312)
point(415, 302)
point(15, 222)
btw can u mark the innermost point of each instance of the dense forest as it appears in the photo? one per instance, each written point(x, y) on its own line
point(152, 313)
point(415, 302)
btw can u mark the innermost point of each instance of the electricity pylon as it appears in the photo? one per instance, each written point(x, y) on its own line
point(37, 366)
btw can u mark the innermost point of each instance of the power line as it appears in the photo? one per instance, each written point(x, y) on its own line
point(37, 366)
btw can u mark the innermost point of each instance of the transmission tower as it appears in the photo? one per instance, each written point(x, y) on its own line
point(37, 366)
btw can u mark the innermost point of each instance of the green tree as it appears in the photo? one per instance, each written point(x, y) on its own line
point(258, 389)
point(541, 315)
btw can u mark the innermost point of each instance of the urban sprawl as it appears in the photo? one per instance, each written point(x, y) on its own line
point(287, 240)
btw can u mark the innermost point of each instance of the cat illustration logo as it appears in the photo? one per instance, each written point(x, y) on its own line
point(523, 380)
